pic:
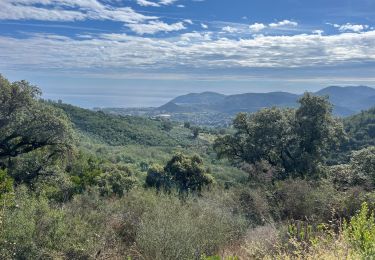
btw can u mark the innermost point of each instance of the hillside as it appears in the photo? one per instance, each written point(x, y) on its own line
point(137, 188)
point(120, 130)
point(361, 129)
point(349, 100)
point(251, 102)
point(346, 100)
point(199, 98)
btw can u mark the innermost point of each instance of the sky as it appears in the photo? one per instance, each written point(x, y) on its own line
point(133, 53)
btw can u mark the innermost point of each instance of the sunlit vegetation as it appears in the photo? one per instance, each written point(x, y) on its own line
point(280, 183)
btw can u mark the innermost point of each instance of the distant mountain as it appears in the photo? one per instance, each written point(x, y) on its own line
point(349, 100)
point(174, 108)
point(251, 102)
point(346, 100)
point(204, 98)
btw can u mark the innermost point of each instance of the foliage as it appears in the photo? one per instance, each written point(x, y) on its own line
point(359, 171)
point(360, 232)
point(361, 130)
point(300, 200)
point(86, 171)
point(86, 203)
point(185, 173)
point(363, 163)
point(28, 125)
point(140, 225)
point(171, 230)
point(195, 131)
point(293, 141)
point(156, 177)
point(167, 125)
point(118, 181)
point(6, 188)
point(120, 130)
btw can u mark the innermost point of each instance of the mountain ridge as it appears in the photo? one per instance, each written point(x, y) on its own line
point(346, 100)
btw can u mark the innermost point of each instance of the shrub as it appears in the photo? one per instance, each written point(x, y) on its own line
point(185, 173)
point(300, 200)
point(360, 232)
point(6, 187)
point(116, 181)
point(171, 230)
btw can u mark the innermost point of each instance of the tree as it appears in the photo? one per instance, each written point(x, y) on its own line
point(167, 126)
point(187, 125)
point(293, 141)
point(185, 173)
point(116, 180)
point(363, 165)
point(157, 178)
point(195, 131)
point(28, 124)
point(317, 132)
point(262, 136)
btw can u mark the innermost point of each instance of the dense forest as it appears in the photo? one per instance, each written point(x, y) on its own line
point(279, 183)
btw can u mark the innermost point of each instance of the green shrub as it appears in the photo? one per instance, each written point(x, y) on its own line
point(360, 232)
point(6, 187)
point(116, 181)
point(171, 230)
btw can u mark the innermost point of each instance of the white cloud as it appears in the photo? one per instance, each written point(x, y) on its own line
point(66, 10)
point(284, 23)
point(319, 32)
point(229, 29)
point(167, 2)
point(257, 27)
point(154, 27)
point(204, 26)
point(119, 52)
point(188, 21)
point(147, 3)
point(351, 27)
point(155, 4)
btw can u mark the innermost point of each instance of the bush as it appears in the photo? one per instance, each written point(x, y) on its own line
point(254, 205)
point(360, 232)
point(6, 187)
point(363, 164)
point(185, 173)
point(171, 230)
point(117, 181)
point(301, 200)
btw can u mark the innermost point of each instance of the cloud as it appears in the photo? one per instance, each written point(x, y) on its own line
point(351, 27)
point(229, 29)
point(147, 3)
point(204, 26)
point(284, 23)
point(167, 2)
point(188, 21)
point(66, 10)
point(154, 27)
point(257, 27)
point(201, 51)
point(319, 32)
point(155, 4)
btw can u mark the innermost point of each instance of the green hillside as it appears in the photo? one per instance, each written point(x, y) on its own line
point(122, 130)
point(361, 129)
point(81, 184)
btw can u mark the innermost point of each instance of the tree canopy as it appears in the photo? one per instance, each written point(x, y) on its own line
point(28, 124)
point(185, 173)
point(294, 141)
